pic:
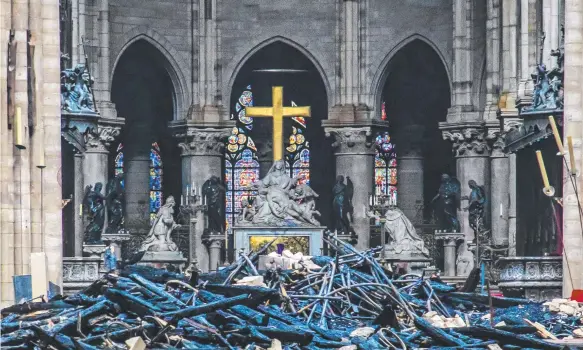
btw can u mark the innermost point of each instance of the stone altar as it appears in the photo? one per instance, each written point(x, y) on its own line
point(314, 234)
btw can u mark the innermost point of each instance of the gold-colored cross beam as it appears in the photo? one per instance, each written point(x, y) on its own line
point(277, 111)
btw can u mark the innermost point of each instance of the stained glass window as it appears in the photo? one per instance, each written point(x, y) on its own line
point(298, 151)
point(385, 165)
point(155, 176)
point(241, 165)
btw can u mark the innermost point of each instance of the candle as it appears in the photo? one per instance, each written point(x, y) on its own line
point(543, 170)
point(193, 188)
point(556, 134)
point(572, 155)
point(501, 210)
point(181, 200)
point(80, 209)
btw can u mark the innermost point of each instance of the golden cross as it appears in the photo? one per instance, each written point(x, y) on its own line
point(277, 111)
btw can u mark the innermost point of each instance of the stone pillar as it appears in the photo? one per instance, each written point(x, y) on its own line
point(355, 159)
point(572, 240)
point(264, 156)
point(499, 198)
point(78, 202)
point(472, 162)
point(215, 245)
point(512, 205)
point(202, 157)
point(410, 170)
point(137, 179)
point(528, 49)
point(551, 29)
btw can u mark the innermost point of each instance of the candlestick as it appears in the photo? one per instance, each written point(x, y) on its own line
point(193, 188)
point(543, 170)
point(556, 134)
point(572, 155)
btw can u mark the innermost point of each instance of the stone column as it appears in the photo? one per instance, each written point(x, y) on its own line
point(264, 156)
point(410, 170)
point(202, 157)
point(512, 224)
point(355, 159)
point(499, 198)
point(572, 240)
point(78, 202)
point(528, 49)
point(472, 162)
point(551, 29)
point(137, 179)
point(215, 245)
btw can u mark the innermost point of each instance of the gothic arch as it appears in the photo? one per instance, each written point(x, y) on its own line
point(172, 63)
point(266, 43)
point(382, 71)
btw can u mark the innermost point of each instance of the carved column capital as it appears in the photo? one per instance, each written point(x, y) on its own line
point(468, 140)
point(214, 241)
point(352, 140)
point(449, 238)
point(202, 141)
point(100, 138)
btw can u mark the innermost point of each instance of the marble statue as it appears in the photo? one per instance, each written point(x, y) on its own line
point(281, 201)
point(476, 206)
point(214, 196)
point(403, 235)
point(94, 205)
point(342, 205)
point(76, 92)
point(446, 203)
point(115, 204)
point(158, 239)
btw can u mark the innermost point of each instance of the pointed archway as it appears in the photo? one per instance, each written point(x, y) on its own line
point(414, 97)
point(307, 151)
point(144, 94)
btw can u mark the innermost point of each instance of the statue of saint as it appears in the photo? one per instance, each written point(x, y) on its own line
point(280, 201)
point(342, 205)
point(94, 204)
point(214, 194)
point(158, 239)
point(403, 235)
point(477, 202)
point(115, 204)
point(447, 202)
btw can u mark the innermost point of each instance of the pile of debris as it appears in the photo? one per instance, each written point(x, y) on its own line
point(347, 302)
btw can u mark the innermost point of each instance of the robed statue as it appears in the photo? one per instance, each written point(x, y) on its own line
point(281, 201)
point(342, 205)
point(476, 206)
point(94, 206)
point(446, 204)
point(214, 196)
point(115, 204)
point(404, 239)
point(158, 239)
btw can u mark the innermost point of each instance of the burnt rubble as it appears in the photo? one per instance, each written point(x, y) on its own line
point(349, 302)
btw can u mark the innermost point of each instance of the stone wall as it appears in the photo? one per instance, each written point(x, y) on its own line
point(30, 200)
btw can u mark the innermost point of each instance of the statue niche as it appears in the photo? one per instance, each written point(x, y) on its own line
point(76, 91)
point(213, 193)
point(280, 201)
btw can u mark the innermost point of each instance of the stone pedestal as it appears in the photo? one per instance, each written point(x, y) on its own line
point(414, 264)
point(79, 273)
point(215, 245)
point(161, 260)
point(116, 240)
point(94, 250)
point(450, 241)
point(499, 193)
point(355, 159)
